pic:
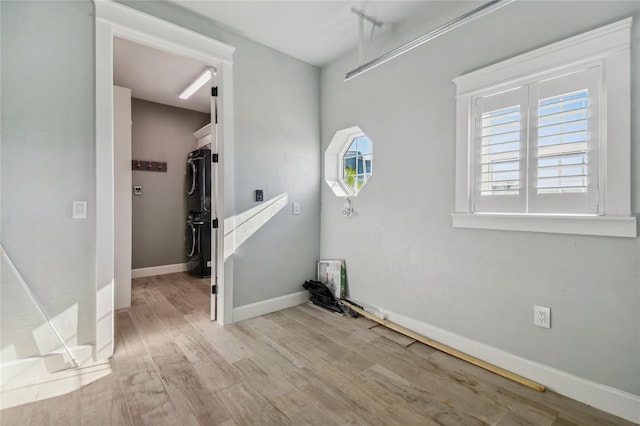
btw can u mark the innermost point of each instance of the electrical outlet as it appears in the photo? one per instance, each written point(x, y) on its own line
point(259, 195)
point(542, 316)
point(295, 208)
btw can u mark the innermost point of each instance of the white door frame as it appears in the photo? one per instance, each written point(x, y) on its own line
point(113, 19)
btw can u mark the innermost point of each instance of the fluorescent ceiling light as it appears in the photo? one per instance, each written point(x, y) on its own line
point(196, 84)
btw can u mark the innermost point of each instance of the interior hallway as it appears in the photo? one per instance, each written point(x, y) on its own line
point(303, 365)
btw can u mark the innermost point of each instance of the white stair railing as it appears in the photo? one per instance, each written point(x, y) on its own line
point(26, 288)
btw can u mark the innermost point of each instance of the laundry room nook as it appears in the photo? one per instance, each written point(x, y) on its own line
point(163, 169)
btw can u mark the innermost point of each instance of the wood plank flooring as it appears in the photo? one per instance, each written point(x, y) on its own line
point(299, 366)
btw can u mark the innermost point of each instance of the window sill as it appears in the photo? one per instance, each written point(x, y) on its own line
point(612, 226)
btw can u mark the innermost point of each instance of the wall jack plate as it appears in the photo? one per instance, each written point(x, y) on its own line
point(542, 316)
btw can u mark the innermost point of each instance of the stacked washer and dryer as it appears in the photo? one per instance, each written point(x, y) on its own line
point(198, 232)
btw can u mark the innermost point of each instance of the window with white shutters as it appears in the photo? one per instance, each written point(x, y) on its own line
point(537, 147)
point(543, 139)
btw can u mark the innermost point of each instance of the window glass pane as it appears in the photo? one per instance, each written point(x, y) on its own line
point(357, 163)
point(563, 143)
point(500, 151)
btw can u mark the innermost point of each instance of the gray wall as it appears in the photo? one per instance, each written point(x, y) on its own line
point(401, 250)
point(47, 162)
point(276, 100)
point(161, 133)
point(48, 129)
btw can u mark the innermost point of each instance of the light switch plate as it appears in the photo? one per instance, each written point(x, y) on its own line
point(79, 210)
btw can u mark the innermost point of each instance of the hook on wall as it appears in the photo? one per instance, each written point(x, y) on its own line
point(149, 166)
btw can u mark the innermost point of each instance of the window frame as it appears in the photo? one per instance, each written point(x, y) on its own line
point(609, 47)
point(334, 161)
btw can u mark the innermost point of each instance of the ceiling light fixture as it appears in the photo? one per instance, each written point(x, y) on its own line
point(196, 84)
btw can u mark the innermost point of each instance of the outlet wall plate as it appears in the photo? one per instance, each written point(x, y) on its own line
point(542, 316)
point(259, 195)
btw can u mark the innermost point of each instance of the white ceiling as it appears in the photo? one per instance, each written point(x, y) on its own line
point(314, 31)
point(157, 76)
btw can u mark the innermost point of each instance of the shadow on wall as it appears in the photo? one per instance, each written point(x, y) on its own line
point(34, 336)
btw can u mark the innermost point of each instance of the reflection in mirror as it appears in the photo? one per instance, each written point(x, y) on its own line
point(357, 164)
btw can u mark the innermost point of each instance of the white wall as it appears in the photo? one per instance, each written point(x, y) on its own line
point(122, 196)
point(161, 133)
point(401, 250)
point(48, 153)
point(48, 160)
point(276, 116)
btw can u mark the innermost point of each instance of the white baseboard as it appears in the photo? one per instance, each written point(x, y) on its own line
point(271, 305)
point(603, 397)
point(158, 270)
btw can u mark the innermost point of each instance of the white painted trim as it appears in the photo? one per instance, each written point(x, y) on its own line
point(603, 397)
point(104, 192)
point(225, 191)
point(149, 30)
point(113, 19)
point(158, 270)
point(597, 43)
point(608, 46)
point(271, 305)
point(610, 226)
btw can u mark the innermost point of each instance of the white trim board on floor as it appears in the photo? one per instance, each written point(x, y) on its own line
point(158, 270)
point(271, 305)
point(18, 371)
point(603, 397)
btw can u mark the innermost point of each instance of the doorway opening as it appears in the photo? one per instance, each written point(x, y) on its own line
point(118, 22)
point(163, 215)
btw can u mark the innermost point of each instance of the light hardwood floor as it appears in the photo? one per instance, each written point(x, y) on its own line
point(302, 365)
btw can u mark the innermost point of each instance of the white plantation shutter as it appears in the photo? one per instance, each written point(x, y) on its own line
point(500, 150)
point(572, 174)
point(563, 146)
point(536, 147)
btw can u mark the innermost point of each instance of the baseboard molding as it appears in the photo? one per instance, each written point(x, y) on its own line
point(21, 370)
point(603, 397)
point(271, 305)
point(158, 270)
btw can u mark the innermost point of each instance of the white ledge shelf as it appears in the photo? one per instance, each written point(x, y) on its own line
point(611, 226)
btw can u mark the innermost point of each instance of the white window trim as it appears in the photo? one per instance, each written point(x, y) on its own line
point(333, 173)
point(608, 44)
